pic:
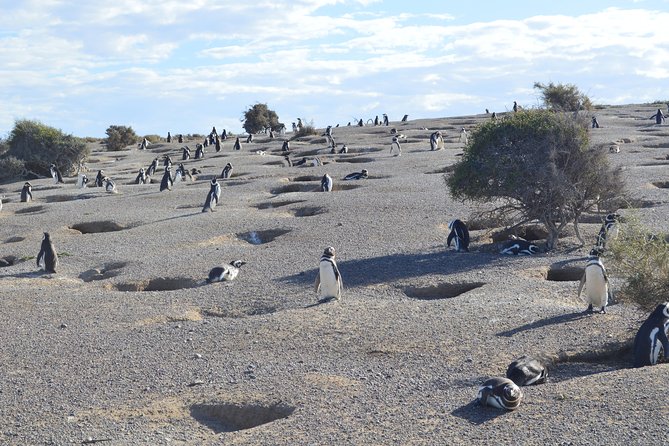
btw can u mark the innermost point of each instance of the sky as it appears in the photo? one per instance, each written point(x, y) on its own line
point(185, 66)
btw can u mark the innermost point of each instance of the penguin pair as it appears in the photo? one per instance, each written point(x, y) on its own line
point(26, 193)
point(225, 273)
point(596, 283)
point(651, 344)
point(357, 175)
point(517, 246)
point(47, 255)
point(55, 174)
point(460, 234)
point(326, 183)
point(328, 280)
point(227, 171)
point(213, 196)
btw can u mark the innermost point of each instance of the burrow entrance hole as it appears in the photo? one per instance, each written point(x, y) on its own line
point(261, 237)
point(441, 291)
point(105, 272)
point(94, 227)
point(277, 204)
point(236, 417)
point(661, 184)
point(7, 261)
point(309, 211)
point(356, 160)
point(566, 274)
point(159, 284)
point(30, 210)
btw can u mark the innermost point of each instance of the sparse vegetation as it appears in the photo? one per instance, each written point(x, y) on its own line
point(642, 259)
point(37, 146)
point(306, 130)
point(11, 168)
point(119, 137)
point(259, 118)
point(538, 164)
point(563, 97)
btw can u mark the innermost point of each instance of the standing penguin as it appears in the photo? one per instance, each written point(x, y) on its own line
point(185, 155)
point(328, 280)
point(227, 171)
point(501, 393)
point(141, 177)
point(344, 149)
point(226, 272)
point(110, 186)
point(167, 161)
point(285, 147)
point(213, 196)
point(526, 371)
point(217, 143)
point(326, 183)
point(238, 145)
point(436, 141)
point(396, 145)
point(608, 231)
point(651, 342)
point(99, 177)
point(55, 174)
point(460, 234)
point(596, 282)
point(82, 180)
point(151, 170)
point(47, 255)
point(199, 151)
point(167, 182)
point(26, 193)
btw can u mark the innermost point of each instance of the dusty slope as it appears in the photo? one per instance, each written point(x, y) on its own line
point(85, 354)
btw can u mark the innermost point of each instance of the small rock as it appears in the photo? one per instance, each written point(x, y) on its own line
point(198, 356)
point(63, 325)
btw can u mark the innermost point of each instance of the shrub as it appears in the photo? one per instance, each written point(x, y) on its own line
point(11, 168)
point(154, 138)
point(119, 137)
point(306, 130)
point(38, 146)
point(258, 118)
point(537, 165)
point(642, 259)
point(563, 97)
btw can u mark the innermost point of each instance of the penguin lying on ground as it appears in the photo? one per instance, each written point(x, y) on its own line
point(501, 393)
point(518, 245)
point(357, 175)
point(226, 272)
point(526, 371)
point(651, 343)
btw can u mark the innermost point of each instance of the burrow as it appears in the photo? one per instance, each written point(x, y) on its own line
point(661, 184)
point(7, 261)
point(15, 239)
point(356, 160)
point(231, 417)
point(30, 210)
point(62, 198)
point(94, 227)
point(108, 270)
point(277, 204)
point(529, 233)
point(159, 284)
point(441, 291)
point(257, 310)
point(563, 274)
point(308, 211)
point(305, 187)
point(262, 237)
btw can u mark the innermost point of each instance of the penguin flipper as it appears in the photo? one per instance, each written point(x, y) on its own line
point(40, 256)
point(451, 236)
point(580, 286)
point(317, 283)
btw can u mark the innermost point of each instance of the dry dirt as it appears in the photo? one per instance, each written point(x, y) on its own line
point(126, 344)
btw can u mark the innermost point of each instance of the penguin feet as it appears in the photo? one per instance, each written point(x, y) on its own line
point(602, 311)
point(589, 309)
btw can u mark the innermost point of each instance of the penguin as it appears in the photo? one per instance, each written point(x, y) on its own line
point(167, 161)
point(225, 273)
point(316, 162)
point(460, 234)
point(501, 393)
point(238, 145)
point(1, 203)
point(47, 255)
point(185, 156)
point(344, 149)
point(515, 106)
point(26, 193)
point(385, 119)
point(436, 141)
point(227, 171)
point(99, 177)
point(396, 144)
point(301, 162)
point(526, 371)
point(249, 139)
point(288, 161)
point(285, 147)
point(217, 143)
point(151, 170)
point(328, 279)
point(169, 137)
point(55, 174)
point(167, 182)
point(199, 151)
point(608, 231)
point(357, 175)
point(110, 186)
point(596, 282)
point(224, 135)
point(82, 181)
point(326, 183)
point(213, 196)
point(195, 171)
point(180, 138)
point(518, 245)
point(142, 178)
point(651, 339)
point(463, 135)
point(181, 173)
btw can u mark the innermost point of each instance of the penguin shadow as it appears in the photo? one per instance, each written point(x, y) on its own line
point(477, 414)
point(375, 270)
point(322, 301)
point(560, 319)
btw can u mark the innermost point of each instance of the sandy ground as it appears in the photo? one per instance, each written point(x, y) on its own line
point(125, 343)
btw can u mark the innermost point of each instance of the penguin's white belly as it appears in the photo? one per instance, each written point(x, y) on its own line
point(596, 288)
point(329, 283)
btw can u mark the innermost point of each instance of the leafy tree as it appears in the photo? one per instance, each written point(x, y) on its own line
point(38, 146)
point(259, 118)
point(563, 97)
point(119, 137)
point(537, 165)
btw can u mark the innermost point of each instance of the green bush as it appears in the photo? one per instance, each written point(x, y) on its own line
point(154, 138)
point(259, 117)
point(535, 165)
point(563, 97)
point(11, 168)
point(306, 130)
point(642, 260)
point(120, 137)
point(38, 146)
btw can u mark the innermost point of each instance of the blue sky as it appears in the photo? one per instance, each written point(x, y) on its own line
point(186, 66)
